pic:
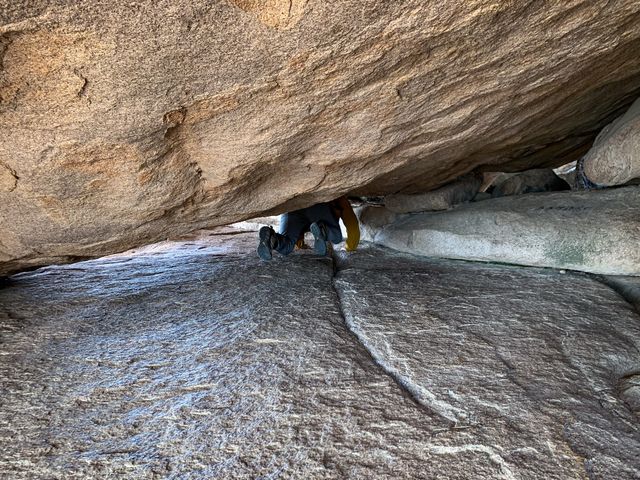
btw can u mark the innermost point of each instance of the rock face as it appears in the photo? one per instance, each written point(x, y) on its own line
point(531, 181)
point(615, 157)
point(628, 287)
point(196, 360)
point(372, 219)
point(123, 123)
point(595, 231)
point(462, 190)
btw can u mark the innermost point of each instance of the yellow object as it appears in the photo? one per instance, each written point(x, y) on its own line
point(345, 212)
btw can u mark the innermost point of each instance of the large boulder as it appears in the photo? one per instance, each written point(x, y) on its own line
point(614, 159)
point(122, 123)
point(372, 219)
point(594, 231)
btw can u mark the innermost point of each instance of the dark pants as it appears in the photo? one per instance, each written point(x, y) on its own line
point(294, 224)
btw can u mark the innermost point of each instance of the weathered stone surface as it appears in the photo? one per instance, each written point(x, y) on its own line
point(373, 218)
point(480, 196)
point(628, 287)
point(123, 123)
point(443, 198)
point(537, 369)
point(197, 360)
point(532, 181)
point(194, 359)
point(614, 159)
point(594, 231)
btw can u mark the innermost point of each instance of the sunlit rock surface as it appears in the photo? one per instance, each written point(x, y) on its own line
point(593, 231)
point(614, 159)
point(124, 123)
point(194, 359)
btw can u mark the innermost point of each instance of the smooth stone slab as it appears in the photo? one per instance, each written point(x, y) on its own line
point(594, 231)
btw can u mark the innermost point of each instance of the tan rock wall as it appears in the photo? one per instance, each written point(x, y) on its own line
point(124, 123)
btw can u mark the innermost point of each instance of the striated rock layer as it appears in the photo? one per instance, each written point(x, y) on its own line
point(168, 363)
point(122, 123)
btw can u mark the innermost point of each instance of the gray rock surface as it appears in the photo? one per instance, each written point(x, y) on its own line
point(568, 173)
point(592, 231)
point(480, 196)
point(443, 198)
point(531, 181)
point(373, 218)
point(628, 287)
point(614, 158)
point(193, 359)
point(538, 370)
point(196, 360)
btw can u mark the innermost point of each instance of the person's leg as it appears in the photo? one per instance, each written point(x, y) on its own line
point(325, 227)
point(267, 241)
point(292, 225)
point(322, 213)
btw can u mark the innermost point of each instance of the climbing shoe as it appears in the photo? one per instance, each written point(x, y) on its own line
point(267, 242)
point(319, 232)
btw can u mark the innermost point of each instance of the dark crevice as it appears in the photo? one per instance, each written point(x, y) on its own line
point(13, 173)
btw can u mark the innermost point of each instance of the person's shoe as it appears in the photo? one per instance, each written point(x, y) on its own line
point(267, 238)
point(319, 232)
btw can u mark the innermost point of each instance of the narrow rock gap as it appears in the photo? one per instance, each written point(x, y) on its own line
point(406, 390)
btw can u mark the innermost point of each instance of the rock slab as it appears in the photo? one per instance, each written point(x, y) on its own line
point(193, 359)
point(594, 231)
point(531, 181)
point(460, 191)
point(536, 370)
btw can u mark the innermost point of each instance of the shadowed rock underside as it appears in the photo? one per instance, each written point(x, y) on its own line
point(124, 123)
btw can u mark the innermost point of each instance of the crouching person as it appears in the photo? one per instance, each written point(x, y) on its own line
point(322, 220)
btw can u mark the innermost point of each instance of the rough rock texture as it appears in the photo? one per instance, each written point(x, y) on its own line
point(480, 196)
point(461, 190)
point(594, 231)
point(628, 287)
point(372, 219)
point(122, 122)
point(614, 159)
point(531, 181)
point(568, 173)
point(538, 370)
point(196, 360)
